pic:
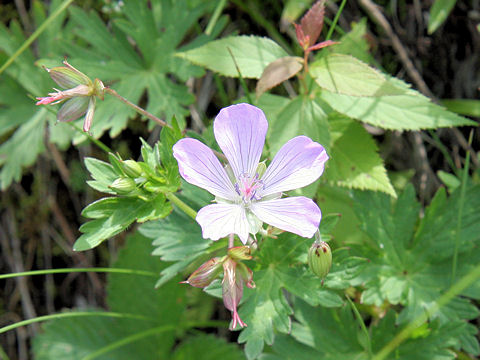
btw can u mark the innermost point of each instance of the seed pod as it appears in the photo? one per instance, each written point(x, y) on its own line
point(320, 259)
point(206, 273)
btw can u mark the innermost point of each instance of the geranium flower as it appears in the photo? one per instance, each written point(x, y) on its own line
point(245, 197)
point(79, 94)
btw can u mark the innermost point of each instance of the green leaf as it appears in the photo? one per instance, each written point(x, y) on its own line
point(146, 65)
point(132, 294)
point(411, 259)
point(267, 311)
point(293, 9)
point(207, 347)
point(252, 55)
point(113, 215)
point(344, 74)
point(354, 161)
point(176, 239)
point(467, 107)
point(103, 173)
point(322, 334)
point(439, 13)
point(300, 116)
point(22, 149)
point(403, 112)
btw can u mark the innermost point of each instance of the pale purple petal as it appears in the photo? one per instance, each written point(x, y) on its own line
point(199, 166)
point(299, 215)
point(240, 132)
point(220, 220)
point(298, 163)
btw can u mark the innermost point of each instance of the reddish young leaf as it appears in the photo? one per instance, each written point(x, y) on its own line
point(312, 22)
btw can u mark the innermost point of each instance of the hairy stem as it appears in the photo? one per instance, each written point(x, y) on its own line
point(181, 205)
point(137, 108)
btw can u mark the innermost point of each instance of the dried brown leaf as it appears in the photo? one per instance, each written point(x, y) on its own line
point(278, 71)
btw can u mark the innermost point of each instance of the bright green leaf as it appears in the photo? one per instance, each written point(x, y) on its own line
point(403, 112)
point(252, 55)
point(344, 74)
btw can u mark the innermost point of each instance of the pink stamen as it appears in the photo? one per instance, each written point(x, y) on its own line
point(236, 319)
point(49, 99)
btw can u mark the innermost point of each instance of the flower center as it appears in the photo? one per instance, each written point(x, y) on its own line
point(247, 187)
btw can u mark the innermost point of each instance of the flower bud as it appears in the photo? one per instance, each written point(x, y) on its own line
point(123, 186)
point(205, 274)
point(320, 259)
point(132, 168)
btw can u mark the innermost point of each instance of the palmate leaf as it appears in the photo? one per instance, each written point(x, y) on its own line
point(267, 310)
point(411, 263)
point(21, 79)
point(156, 32)
point(132, 294)
point(322, 333)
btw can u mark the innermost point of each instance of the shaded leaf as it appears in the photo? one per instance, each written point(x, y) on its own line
point(354, 161)
point(439, 13)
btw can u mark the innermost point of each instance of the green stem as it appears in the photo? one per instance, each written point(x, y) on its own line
point(79, 270)
point(240, 77)
point(97, 142)
point(453, 291)
point(71, 315)
point(335, 20)
point(181, 205)
point(460, 210)
point(215, 16)
point(362, 325)
point(35, 35)
point(137, 108)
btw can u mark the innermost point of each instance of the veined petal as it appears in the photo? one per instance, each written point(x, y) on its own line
point(298, 163)
point(199, 166)
point(299, 215)
point(220, 220)
point(240, 132)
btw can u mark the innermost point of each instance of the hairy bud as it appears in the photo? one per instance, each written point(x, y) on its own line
point(320, 259)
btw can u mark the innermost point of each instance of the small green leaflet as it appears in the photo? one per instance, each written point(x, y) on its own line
point(252, 55)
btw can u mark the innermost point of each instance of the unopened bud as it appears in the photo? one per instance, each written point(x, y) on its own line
point(320, 259)
point(132, 168)
point(123, 186)
point(206, 273)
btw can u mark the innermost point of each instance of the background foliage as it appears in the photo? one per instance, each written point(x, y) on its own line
point(400, 195)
